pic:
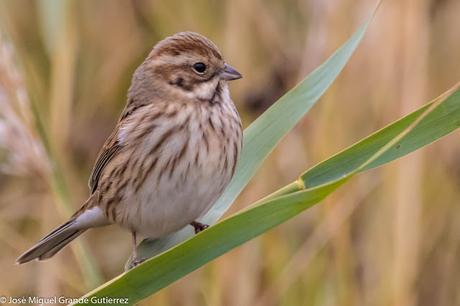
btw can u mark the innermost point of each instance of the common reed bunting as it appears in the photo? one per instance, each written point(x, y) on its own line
point(172, 152)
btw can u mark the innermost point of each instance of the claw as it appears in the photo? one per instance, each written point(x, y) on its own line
point(137, 262)
point(199, 226)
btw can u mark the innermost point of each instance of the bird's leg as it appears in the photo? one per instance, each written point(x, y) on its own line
point(134, 240)
point(199, 226)
point(136, 260)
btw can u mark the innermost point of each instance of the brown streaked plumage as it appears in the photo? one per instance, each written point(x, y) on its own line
point(172, 152)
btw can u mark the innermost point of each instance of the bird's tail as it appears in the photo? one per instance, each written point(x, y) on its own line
point(52, 243)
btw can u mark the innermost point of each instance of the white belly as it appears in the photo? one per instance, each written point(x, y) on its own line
point(169, 207)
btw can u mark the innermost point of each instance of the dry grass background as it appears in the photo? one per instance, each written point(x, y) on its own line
point(391, 237)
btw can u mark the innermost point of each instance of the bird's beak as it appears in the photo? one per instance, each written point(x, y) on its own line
point(229, 73)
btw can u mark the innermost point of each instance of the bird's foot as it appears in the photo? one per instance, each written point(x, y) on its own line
point(199, 226)
point(137, 261)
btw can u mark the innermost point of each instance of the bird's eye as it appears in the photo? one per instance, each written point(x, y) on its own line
point(199, 67)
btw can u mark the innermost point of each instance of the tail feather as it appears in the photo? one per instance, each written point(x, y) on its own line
point(88, 216)
point(72, 235)
point(52, 243)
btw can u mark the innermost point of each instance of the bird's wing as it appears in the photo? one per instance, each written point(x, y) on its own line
point(112, 145)
point(108, 151)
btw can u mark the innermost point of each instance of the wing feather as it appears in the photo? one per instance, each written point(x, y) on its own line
point(105, 156)
point(113, 145)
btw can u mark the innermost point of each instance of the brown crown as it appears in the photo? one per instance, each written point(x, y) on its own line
point(186, 42)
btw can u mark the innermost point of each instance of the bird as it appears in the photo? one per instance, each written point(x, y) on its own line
point(171, 154)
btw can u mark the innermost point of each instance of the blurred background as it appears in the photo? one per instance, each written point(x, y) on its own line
point(389, 237)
